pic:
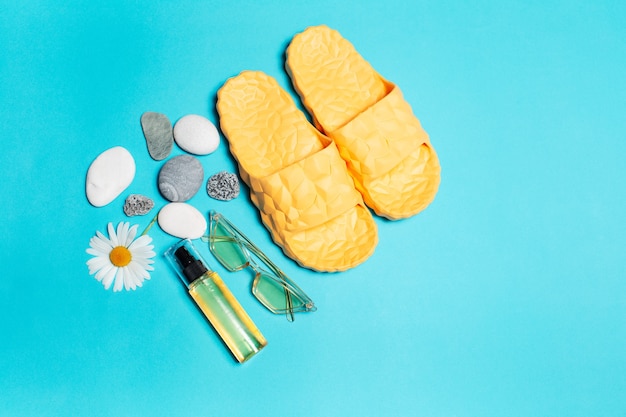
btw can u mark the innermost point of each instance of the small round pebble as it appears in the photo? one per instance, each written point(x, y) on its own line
point(182, 220)
point(223, 186)
point(196, 134)
point(109, 175)
point(180, 178)
point(137, 205)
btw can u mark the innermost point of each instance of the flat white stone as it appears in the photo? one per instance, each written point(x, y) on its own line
point(109, 175)
point(196, 134)
point(182, 220)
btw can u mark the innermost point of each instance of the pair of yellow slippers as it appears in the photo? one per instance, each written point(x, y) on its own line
point(311, 184)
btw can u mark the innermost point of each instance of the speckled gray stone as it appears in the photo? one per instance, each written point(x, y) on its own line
point(180, 178)
point(157, 129)
point(223, 186)
point(138, 205)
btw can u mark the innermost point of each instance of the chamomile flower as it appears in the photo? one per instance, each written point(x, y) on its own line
point(121, 257)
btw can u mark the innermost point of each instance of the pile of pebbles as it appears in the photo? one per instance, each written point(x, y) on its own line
point(180, 178)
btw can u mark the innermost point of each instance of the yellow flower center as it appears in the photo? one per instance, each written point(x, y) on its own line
point(120, 256)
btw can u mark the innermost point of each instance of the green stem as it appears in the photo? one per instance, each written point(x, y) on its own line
point(149, 226)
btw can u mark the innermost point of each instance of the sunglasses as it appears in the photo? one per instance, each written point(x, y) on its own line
point(271, 286)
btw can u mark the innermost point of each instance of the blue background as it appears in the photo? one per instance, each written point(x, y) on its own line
point(506, 297)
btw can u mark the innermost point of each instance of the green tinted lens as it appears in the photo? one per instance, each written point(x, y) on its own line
point(226, 249)
point(274, 295)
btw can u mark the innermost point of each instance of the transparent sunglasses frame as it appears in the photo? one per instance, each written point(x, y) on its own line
point(296, 299)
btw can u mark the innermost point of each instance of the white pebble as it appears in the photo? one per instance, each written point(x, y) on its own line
point(196, 134)
point(182, 220)
point(109, 175)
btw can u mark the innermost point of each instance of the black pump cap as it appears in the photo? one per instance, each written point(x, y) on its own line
point(192, 267)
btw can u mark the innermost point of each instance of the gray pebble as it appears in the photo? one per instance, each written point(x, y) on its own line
point(223, 186)
point(138, 205)
point(157, 129)
point(180, 178)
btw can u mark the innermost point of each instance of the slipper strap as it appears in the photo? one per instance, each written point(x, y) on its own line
point(307, 193)
point(379, 138)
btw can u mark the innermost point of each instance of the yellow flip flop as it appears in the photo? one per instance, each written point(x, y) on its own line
point(297, 179)
point(388, 153)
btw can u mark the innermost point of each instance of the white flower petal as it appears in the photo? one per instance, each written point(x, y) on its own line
point(132, 267)
point(108, 278)
point(142, 252)
point(104, 272)
point(137, 274)
point(126, 228)
point(126, 278)
point(145, 251)
point(133, 279)
point(132, 232)
point(129, 234)
point(140, 257)
point(144, 258)
point(112, 235)
point(141, 242)
point(103, 238)
point(100, 273)
point(144, 264)
point(98, 252)
point(119, 280)
point(98, 244)
point(140, 272)
point(95, 253)
point(96, 264)
point(122, 232)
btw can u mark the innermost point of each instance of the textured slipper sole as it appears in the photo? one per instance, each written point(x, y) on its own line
point(387, 152)
point(297, 179)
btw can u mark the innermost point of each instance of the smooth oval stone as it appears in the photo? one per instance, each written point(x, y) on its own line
point(196, 134)
point(223, 186)
point(182, 220)
point(180, 178)
point(109, 175)
point(157, 129)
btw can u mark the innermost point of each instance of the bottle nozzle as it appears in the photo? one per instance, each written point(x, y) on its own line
point(188, 265)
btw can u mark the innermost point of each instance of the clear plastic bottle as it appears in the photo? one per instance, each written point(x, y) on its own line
point(216, 301)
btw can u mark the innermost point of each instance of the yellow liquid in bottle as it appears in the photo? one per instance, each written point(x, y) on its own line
point(227, 316)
